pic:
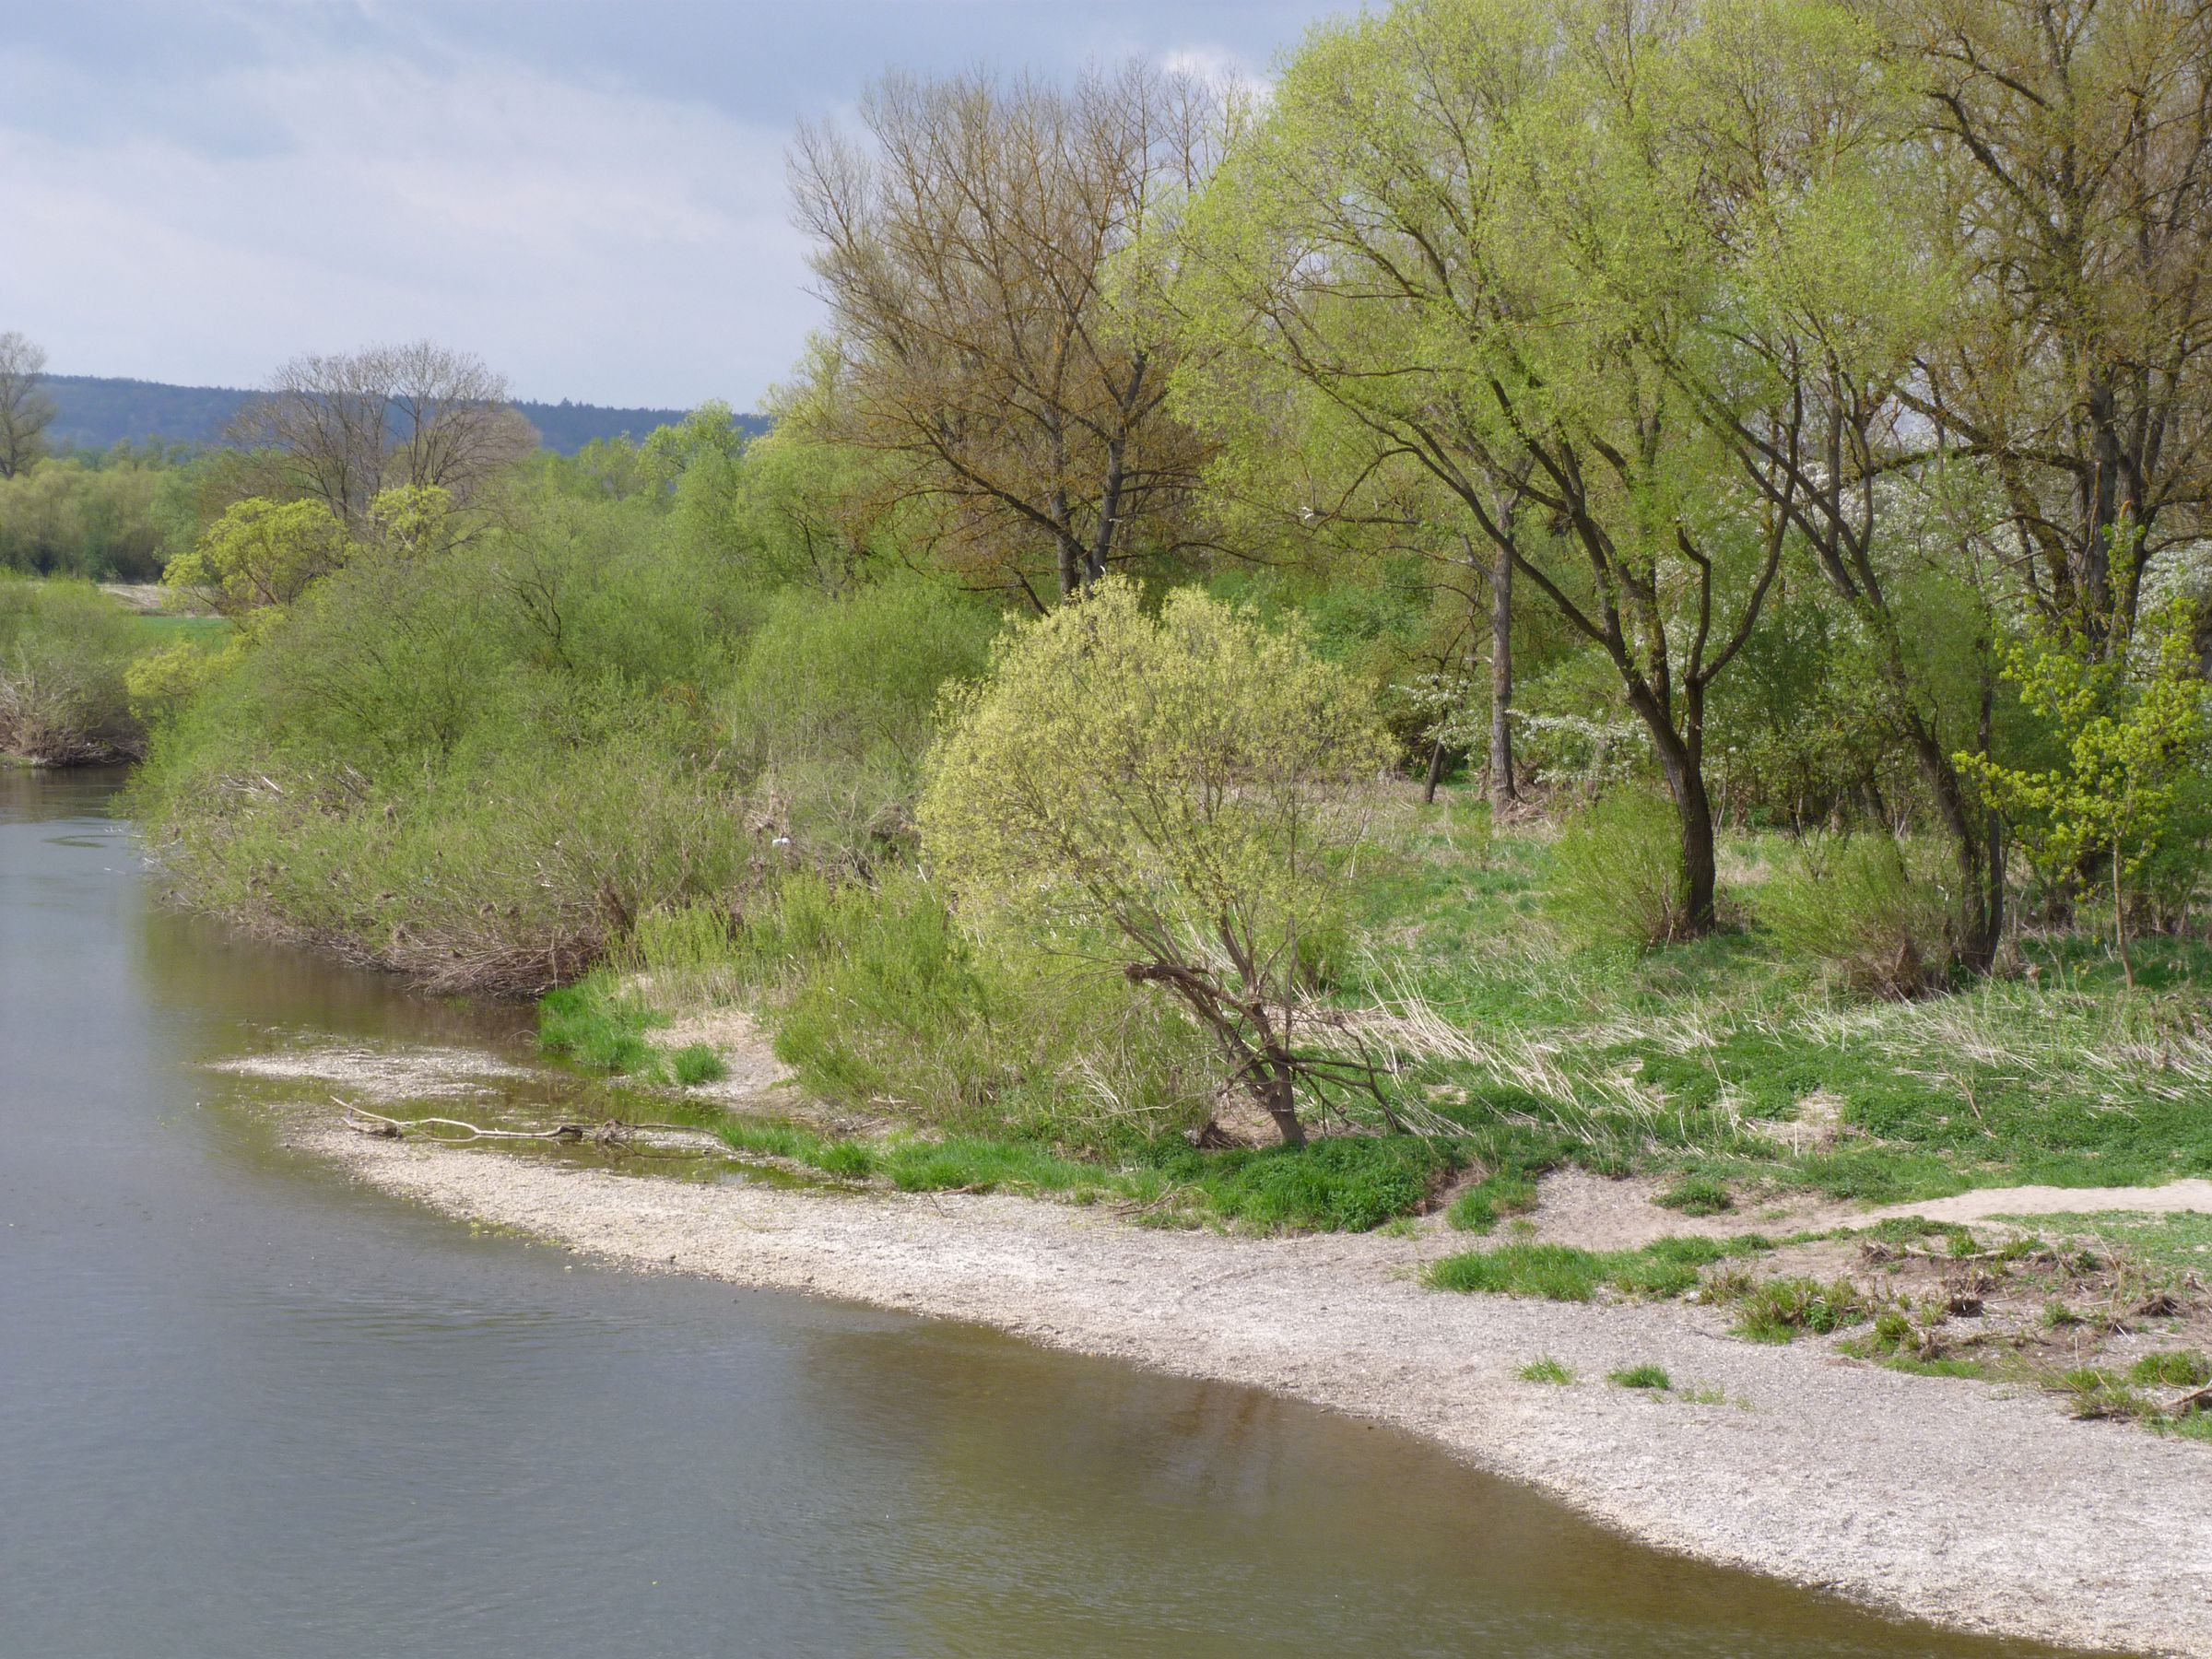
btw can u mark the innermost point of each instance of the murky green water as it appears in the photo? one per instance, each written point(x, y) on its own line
point(249, 1409)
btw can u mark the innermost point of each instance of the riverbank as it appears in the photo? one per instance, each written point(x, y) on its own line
point(1985, 1508)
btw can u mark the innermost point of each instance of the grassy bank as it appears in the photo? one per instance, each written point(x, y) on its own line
point(1731, 1073)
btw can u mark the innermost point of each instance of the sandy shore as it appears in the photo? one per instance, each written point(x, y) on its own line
point(1978, 1506)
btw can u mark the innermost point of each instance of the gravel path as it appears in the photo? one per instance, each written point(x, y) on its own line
point(1950, 1500)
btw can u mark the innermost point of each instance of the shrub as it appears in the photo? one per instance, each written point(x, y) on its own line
point(64, 649)
point(1865, 909)
point(478, 764)
point(1618, 872)
point(1181, 784)
point(260, 553)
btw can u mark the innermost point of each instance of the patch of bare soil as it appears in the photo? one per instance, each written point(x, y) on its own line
point(1596, 1212)
point(2073, 1316)
point(2173, 1197)
point(1983, 1507)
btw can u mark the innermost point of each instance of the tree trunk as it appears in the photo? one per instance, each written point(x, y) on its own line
point(1682, 765)
point(1437, 753)
point(1278, 1096)
point(1699, 874)
point(1978, 850)
point(1068, 550)
point(1502, 793)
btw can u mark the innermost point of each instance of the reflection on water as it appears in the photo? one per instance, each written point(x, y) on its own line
point(248, 1408)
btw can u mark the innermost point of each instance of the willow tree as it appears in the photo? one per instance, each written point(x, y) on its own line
point(1176, 788)
point(1833, 254)
point(987, 253)
point(2070, 141)
point(1459, 239)
point(25, 411)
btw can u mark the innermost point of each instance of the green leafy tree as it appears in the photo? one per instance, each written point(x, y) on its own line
point(259, 555)
point(1464, 238)
point(2129, 724)
point(1182, 781)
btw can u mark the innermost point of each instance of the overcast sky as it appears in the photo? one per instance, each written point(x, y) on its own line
point(588, 192)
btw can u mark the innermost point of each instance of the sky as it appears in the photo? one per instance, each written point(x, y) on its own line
point(588, 194)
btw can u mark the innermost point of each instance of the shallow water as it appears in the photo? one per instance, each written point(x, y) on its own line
point(248, 1408)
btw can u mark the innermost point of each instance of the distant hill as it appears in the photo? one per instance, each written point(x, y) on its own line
point(96, 413)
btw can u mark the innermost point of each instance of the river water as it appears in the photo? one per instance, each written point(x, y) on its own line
point(248, 1408)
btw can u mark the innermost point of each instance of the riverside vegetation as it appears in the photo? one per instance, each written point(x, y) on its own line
point(1333, 751)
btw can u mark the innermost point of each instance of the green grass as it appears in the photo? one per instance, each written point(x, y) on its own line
point(695, 1064)
point(1641, 1376)
point(1697, 1195)
point(598, 1028)
point(1782, 1310)
point(2181, 1368)
point(1546, 1369)
point(1664, 1268)
point(209, 631)
point(1347, 1183)
point(1694, 1060)
point(1483, 1205)
point(2173, 1243)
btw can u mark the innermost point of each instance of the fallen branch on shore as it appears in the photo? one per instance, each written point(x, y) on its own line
point(612, 1133)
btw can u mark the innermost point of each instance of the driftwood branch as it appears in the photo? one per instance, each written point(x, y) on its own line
point(611, 1132)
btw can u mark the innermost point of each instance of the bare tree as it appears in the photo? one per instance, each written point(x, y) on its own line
point(349, 425)
point(993, 257)
point(25, 409)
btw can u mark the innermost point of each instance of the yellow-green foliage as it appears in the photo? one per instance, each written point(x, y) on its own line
point(1185, 781)
point(2128, 712)
point(2128, 739)
point(1185, 778)
point(1619, 872)
point(260, 553)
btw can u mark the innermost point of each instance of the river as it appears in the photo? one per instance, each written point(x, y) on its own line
point(249, 1408)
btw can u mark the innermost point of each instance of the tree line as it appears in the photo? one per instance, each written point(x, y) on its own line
point(1849, 358)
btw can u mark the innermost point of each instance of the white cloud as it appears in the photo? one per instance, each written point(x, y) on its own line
point(597, 241)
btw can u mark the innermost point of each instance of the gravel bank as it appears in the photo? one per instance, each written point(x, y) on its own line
point(1946, 1500)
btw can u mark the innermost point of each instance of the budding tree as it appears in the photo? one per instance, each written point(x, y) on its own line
point(345, 427)
point(992, 255)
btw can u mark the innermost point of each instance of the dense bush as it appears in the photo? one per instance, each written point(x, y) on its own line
point(1181, 784)
point(65, 648)
point(1619, 872)
point(1865, 908)
point(101, 517)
